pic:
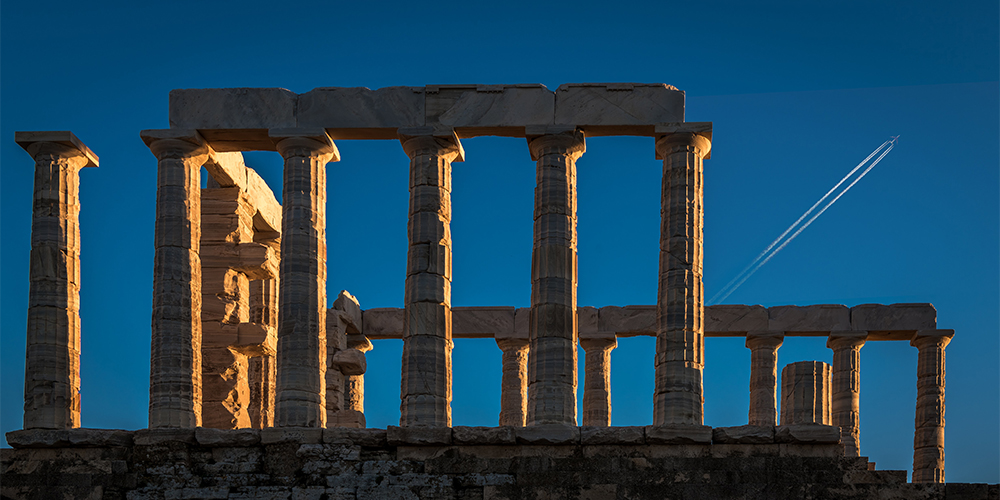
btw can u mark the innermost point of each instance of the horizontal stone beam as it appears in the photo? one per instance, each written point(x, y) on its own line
point(237, 119)
point(884, 322)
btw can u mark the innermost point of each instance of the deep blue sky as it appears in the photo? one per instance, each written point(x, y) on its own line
point(799, 93)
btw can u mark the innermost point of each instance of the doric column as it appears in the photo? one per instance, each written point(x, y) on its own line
point(301, 348)
point(552, 324)
point(805, 393)
point(680, 310)
point(52, 361)
point(763, 376)
point(597, 380)
point(425, 388)
point(175, 364)
point(514, 384)
point(928, 436)
point(354, 385)
point(846, 410)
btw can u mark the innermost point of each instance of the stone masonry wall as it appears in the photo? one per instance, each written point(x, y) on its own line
point(479, 463)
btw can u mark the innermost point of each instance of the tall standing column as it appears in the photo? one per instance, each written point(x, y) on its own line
point(680, 309)
point(597, 380)
point(52, 361)
point(301, 348)
point(425, 388)
point(175, 361)
point(763, 376)
point(928, 436)
point(846, 388)
point(552, 323)
point(514, 382)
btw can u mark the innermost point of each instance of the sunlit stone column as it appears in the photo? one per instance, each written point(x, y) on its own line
point(354, 385)
point(552, 323)
point(928, 436)
point(425, 389)
point(763, 376)
point(52, 361)
point(301, 348)
point(514, 384)
point(597, 380)
point(175, 364)
point(805, 393)
point(680, 310)
point(846, 411)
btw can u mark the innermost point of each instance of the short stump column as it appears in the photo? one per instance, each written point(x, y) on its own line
point(805, 393)
point(52, 360)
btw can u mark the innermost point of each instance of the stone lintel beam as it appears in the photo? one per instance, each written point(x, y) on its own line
point(52, 354)
point(928, 435)
point(302, 313)
point(763, 347)
point(893, 321)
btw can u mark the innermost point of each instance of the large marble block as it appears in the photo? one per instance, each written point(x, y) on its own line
point(489, 109)
point(735, 320)
point(618, 108)
point(818, 319)
point(888, 319)
point(360, 112)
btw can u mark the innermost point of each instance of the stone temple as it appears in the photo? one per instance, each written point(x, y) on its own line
point(257, 388)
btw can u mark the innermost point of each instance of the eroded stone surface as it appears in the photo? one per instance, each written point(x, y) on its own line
point(743, 434)
point(548, 434)
point(55, 438)
point(807, 433)
point(612, 435)
point(678, 434)
point(805, 393)
point(396, 436)
point(483, 435)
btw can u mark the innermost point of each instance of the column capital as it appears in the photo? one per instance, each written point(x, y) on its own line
point(846, 338)
point(509, 343)
point(179, 144)
point(560, 139)
point(431, 141)
point(926, 338)
point(599, 343)
point(62, 143)
point(670, 136)
point(304, 141)
point(764, 339)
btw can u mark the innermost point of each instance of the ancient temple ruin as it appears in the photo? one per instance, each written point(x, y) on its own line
point(246, 354)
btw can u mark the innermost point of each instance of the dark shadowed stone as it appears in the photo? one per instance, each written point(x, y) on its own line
point(303, 435)
point(548, 434)
point(678, 434)
point(483, 435)
point(396, 436)
point(612, 435)
point(49, 438)
point(226, 437)
point(146, 437)
point(743, 434)
point(357, 437)
point(807, 433)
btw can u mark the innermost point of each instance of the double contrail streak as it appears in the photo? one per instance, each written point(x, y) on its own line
point(758, 263)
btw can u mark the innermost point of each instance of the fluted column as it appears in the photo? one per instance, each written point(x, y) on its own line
point(846, 409)
point(928, 436)
point(175, 364)
point(301, 348)
point(680, 309)
point(425, 388)
point(552, 323)
point(763, 376)
point(52, 360)
point(514, 384)
point(805, 393)
point(597, 380)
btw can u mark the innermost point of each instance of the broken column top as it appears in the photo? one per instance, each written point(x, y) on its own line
point(64, 137)
point(237, 119)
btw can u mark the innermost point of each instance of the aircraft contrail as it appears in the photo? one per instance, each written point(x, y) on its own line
point(796, 223)
point(752, 268)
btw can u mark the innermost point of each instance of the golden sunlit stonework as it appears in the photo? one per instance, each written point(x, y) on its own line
point(257, 388)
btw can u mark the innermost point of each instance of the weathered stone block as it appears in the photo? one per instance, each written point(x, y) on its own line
point(548, 434)
point(396, 436)
point(678, 434)
point(235, 108)
point(226, 437)
point(49, 438)
point(148, 437)
point(612, 435)
point(807, 433)
point(499, 109)
point(821, 318)
point(383, 323)
point(350, 310)
point(743, 434)
point(483, 435)
point(627, 321)
point(592, 106)
point(725, 320)
point(376, 112)
point(349, 362)
point(475, 322)
point(893, 317)
point(357, 437)
point(303, 435)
